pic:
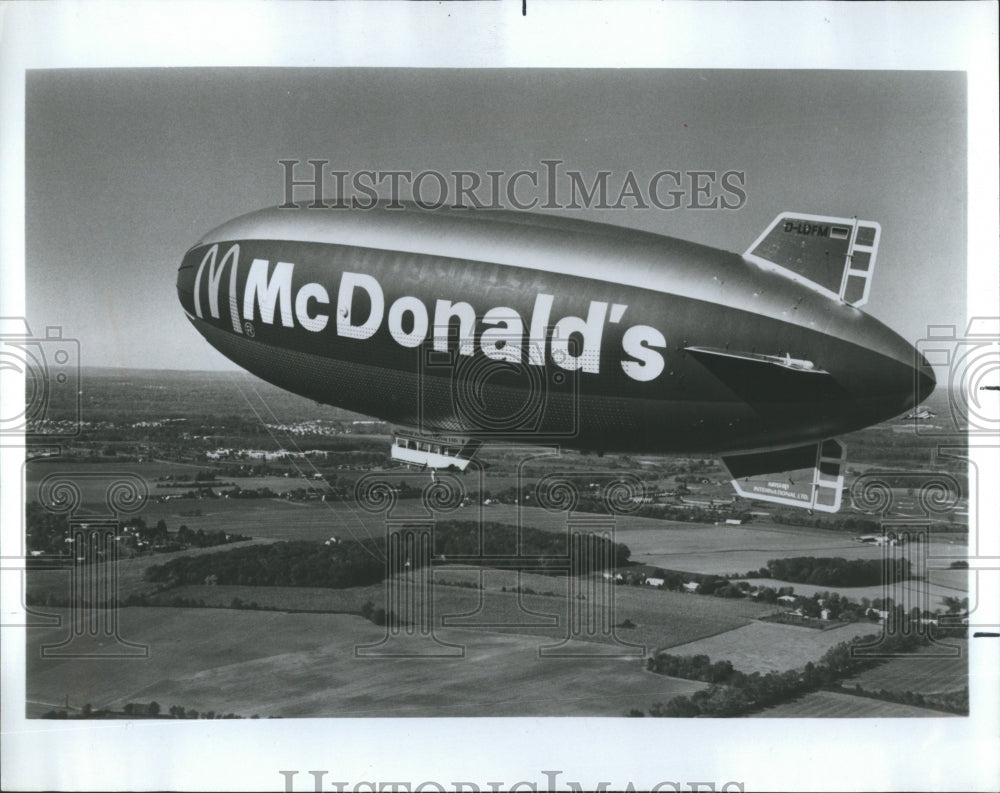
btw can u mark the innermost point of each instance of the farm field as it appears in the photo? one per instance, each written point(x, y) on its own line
point(680, 546)
point(92, 479)
point(768, 646)
point(739, 549)
point(130, 573)
point(831, 704)
point(304, 665)
point(927, 671)
point(676, 545)
point(276, 518)
point(660, 618)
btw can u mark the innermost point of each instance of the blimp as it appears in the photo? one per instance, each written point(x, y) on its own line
point(464, 327)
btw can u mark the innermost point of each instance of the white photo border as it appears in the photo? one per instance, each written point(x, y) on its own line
point(773, 754)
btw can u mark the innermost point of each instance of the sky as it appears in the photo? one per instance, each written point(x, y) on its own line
point(127, 168)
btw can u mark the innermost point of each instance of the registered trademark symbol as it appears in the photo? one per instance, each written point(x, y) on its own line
point(248, 329)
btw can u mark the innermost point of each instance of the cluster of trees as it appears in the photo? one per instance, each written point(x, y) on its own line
point(178, 712)
point(206, 539)
point(149, 710)
point(692, 667)
point(800, 517)
point(733, 693)
point(353, 563)
point(825, 571)
point(380, 616)
point(346, 564)
point(46, 531)
point(466, 538)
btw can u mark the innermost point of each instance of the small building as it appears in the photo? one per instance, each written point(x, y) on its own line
point(655, 581)
point(786, 598)
point(691, 586)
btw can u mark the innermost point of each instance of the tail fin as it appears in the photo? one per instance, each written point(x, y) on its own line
point(809, 476)
point(833, 255)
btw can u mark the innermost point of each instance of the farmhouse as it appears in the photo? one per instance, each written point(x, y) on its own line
point(691, 586)
point(655, 581)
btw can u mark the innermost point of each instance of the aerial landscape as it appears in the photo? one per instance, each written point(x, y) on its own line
point(227, 549)
point(260, 496)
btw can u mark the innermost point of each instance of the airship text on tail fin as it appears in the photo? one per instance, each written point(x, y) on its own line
point(810, 476)
point(834, 255)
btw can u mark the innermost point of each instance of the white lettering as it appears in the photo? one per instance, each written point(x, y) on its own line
point(539, 330)
point(649, 363)
point(418, 332)
point(214, 277)
point(444, 311)
point(589, 357)
point(345, 298)
point(269, 292)
point(234, 311)
point(309, 292)
point(502, 342)
point(574, 345)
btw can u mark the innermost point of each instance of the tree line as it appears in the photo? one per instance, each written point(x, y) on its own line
point(734, 693)
point(351, 563)
point(827, 571)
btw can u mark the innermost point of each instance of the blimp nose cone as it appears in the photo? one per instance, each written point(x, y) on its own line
point(185, 284)
point(925, 381)
point(897, 377)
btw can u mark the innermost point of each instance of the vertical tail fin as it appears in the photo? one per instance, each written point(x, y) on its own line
point(833, 255)
point(811, 476)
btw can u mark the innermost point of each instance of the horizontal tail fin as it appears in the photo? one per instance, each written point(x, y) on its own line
point(834, 255)
point(763, 380)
